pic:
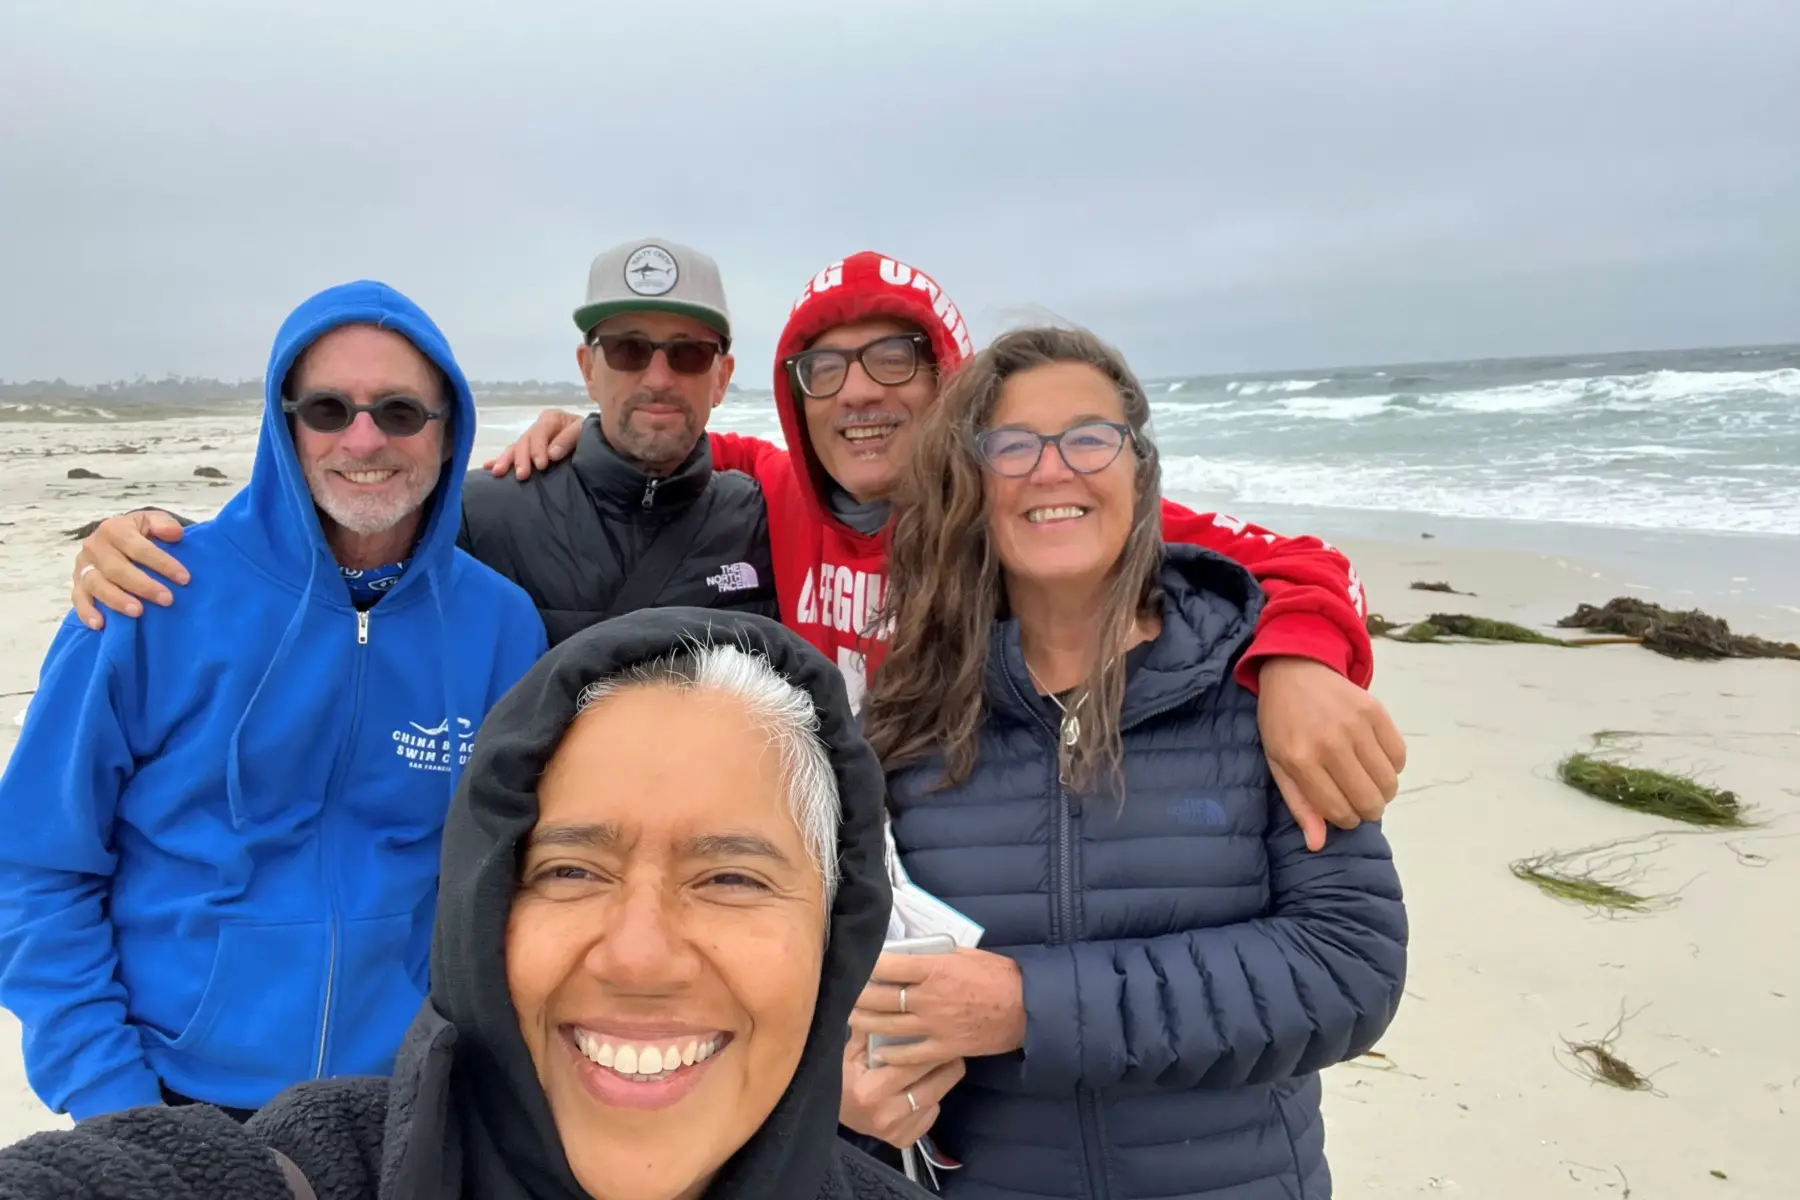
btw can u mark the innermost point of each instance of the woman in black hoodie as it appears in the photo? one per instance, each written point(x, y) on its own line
point(647, 876)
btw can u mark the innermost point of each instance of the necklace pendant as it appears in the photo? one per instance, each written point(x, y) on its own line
point(1071, 730)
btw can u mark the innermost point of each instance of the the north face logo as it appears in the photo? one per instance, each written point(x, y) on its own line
point(735, 577)
point(1202, 811)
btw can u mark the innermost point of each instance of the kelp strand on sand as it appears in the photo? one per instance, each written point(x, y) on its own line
point(1689, 634)
point(1420, 585)
point(1657, 793)
point(1576, 889)
point(1599, 1061)
point(1602, 877)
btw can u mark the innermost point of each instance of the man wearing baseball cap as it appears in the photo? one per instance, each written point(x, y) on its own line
point(639, 519)
point(635, 517)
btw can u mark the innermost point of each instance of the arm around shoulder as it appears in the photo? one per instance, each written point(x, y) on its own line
point(1314, 606)
point(759, 459)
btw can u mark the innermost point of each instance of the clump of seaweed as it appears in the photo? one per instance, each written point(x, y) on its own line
point(1689, 634)
point(1601, 878)
point(1480, 629)
point(1420, 585)
point(1599, 1061)
point(1378, 625)
point(1484, 629)
point(1658, 793)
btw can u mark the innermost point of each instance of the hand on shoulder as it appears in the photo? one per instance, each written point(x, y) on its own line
point(111, 567)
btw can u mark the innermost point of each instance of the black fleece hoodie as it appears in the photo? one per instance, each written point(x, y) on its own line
point(463, 1115)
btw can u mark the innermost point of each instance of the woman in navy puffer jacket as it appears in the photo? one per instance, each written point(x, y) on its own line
point(1166, 967)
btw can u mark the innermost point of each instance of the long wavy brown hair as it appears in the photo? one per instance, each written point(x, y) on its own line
point(945, 589)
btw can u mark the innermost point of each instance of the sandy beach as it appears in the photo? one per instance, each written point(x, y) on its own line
point(1476, 1093)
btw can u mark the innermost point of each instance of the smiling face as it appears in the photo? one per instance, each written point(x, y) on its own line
point(1053, 525)
point(863, 434)
point(366, 481)
point(666, 940)
point(653, 415)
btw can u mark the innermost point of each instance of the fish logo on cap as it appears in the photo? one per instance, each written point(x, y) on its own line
point(651, 271)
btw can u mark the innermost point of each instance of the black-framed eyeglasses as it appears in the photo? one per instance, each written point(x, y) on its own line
point(890, 360)
point(1088, 447)
point(332, 412)
point(632, 352)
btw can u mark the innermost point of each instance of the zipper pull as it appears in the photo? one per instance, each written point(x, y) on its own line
point(362, 626)
point(650, 490)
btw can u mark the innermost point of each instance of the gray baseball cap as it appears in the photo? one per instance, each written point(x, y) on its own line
point(655, 275)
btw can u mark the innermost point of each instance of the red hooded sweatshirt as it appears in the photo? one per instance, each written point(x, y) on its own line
point(829, 578)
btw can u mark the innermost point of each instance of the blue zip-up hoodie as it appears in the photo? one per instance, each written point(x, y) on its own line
point(223, 818)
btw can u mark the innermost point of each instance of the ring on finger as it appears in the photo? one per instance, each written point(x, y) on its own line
point(82, 574)
point(903, 997)
point(913, 1103)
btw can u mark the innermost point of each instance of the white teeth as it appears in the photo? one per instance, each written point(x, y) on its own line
point(368, 476)
point(644, 1063)
point(1067, 512)
point(858, 433)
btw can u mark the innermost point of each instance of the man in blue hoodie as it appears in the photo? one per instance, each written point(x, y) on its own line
point(223, 819)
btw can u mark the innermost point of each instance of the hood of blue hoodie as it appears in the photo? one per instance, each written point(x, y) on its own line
point(284, 519)
point(275, 523)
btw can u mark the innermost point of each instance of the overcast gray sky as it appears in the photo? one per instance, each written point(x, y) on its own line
point(1219, 185)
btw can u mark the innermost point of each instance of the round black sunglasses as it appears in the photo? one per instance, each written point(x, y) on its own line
point(332, 412)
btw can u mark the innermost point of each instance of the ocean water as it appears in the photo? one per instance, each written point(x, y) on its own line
point(1697, 441)
point(1678, 474)
point(1693, 441)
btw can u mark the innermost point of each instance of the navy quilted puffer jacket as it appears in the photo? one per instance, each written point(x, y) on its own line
point(1189, 966)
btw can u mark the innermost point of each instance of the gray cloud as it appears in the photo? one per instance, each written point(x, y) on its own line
point(1215, 186)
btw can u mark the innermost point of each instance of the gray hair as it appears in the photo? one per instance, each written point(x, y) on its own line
point(782, 710)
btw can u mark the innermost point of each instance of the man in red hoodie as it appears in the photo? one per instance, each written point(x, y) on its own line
point(863, 352)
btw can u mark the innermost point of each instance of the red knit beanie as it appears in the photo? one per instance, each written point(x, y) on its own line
point(868, 285)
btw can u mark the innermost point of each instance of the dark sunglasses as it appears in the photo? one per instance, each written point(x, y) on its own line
point(1085, 448)
point(329, 412)
point(632, 352)
point(890, 360)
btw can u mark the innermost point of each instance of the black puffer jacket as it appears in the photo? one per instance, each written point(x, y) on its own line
point(571, 535)
point(463, 1115)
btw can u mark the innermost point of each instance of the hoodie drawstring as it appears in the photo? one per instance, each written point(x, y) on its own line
point(234, 784)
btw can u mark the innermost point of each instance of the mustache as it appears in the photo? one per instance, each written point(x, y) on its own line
point(852, 420)
point(646, 396)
